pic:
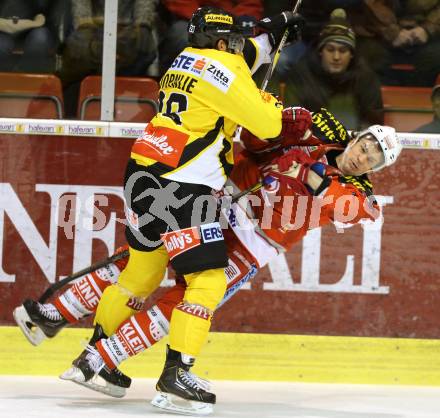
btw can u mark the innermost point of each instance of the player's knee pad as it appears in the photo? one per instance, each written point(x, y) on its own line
point(116, 305)
point(206, 288)
point(144, 271)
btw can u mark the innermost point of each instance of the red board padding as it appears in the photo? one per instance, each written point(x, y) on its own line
point(362, 282)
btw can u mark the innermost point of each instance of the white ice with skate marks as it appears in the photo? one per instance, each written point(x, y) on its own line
point(48, 397)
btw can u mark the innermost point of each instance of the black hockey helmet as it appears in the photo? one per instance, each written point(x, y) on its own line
point(209, 24)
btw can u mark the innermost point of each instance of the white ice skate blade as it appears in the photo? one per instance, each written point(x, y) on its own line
point(181, 406)
point(31, 331)
point(96, 383)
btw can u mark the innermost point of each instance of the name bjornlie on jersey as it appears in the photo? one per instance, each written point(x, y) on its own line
point(210, 70)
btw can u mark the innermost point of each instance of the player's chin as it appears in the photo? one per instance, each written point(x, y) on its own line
point(349, 170)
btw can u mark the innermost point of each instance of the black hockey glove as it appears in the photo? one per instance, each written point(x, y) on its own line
point(275, 27)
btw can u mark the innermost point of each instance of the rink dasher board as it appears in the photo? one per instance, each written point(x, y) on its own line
point(128, 130)
point(250, 356)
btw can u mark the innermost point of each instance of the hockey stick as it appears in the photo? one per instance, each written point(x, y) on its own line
point(277, 54)
point(264, 84)
point(58, 285)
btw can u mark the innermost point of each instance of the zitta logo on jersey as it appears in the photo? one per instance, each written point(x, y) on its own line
point(219, 76)
point(219, 19)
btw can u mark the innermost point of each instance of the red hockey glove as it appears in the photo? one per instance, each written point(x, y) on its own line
point(296, 123)
point(293, 169)
point(286, 161)
point(287, 181)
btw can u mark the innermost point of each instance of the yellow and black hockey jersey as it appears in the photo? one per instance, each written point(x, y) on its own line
point(204, 95)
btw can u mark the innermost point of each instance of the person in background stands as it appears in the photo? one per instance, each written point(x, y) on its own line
point(400, 32)
point(26, 43)
point(333, 76)
point(316, 14)
point(82, 53)
point(433, 127)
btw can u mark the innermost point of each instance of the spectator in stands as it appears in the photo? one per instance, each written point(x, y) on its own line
point(434, 126)
point(26, 43)
point(82, 53)
point(395, 32)
point(135, 51)
point(174, 16)
point(316, 14)
point(333, 76)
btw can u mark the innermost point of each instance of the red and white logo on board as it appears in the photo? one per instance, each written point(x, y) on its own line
point(164, 145)
point(177, 242)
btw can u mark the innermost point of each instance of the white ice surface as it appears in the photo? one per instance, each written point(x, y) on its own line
point(49, 397)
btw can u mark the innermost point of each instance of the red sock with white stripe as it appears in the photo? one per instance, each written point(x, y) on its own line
point(142, 330)
point(82, 298)
point(133, 336)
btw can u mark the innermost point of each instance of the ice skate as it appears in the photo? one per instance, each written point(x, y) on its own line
point(38, 321)
point(90, 371)
point(180, 391)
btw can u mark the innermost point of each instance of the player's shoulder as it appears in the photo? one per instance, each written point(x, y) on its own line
point(361, 183)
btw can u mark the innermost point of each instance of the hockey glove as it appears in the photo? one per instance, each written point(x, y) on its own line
point(286, 180)
point(276, 25)
point(293, 169)
point(296, 124)
point(285, 162)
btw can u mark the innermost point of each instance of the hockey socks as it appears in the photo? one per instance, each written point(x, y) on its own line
point(133, 336)
point(82, 298)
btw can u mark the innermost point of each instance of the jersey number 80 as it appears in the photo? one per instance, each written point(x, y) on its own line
point(173, 105)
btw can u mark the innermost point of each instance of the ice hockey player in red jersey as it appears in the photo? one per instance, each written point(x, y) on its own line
point(306, 183)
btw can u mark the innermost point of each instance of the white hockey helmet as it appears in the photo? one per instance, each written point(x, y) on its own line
point(389, 142)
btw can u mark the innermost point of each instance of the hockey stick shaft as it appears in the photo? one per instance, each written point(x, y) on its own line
point(264, 84)
point(276, 56)
point(251, 189)
point(58, 285)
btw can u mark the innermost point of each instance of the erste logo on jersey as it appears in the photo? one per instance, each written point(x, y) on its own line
point(177, 242)
point(211, 232)
point(211, 71)
point(164, 145)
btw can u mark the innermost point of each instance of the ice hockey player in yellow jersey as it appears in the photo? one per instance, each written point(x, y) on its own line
point(185, 154)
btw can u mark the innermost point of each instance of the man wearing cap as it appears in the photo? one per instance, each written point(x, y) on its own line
point(333, 76)
point(433, 127)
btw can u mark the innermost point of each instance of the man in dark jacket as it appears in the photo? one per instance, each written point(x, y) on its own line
point(333, 76)
point(433, 127)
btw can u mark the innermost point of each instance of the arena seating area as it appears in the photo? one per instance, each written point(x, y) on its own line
point(40, 96)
